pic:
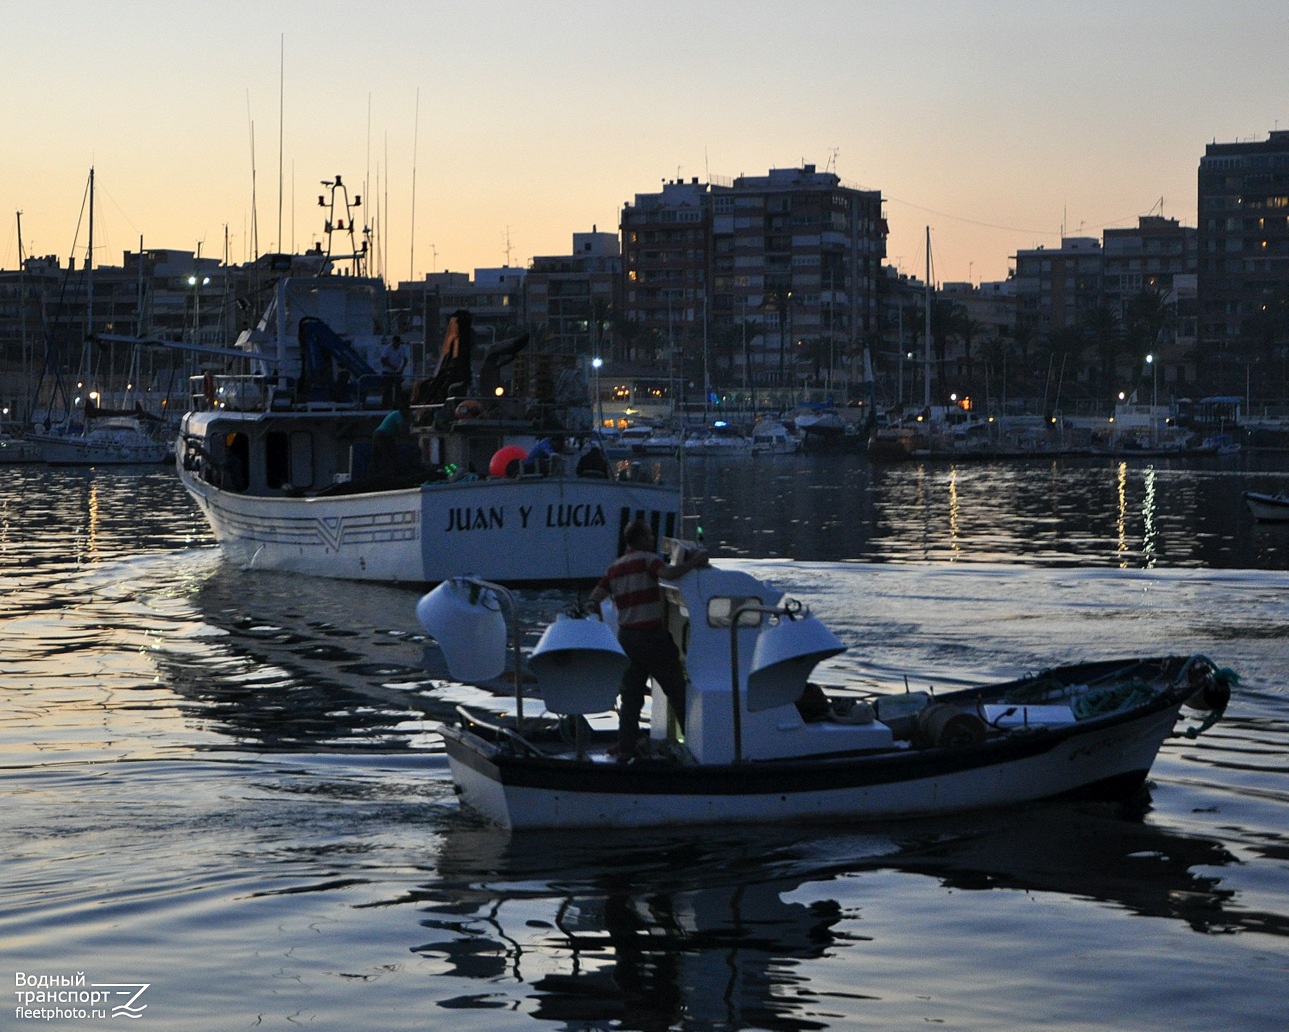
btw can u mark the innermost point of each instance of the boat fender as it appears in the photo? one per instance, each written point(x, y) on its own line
point(208, 388)
point(1212, 687)
point(469, 410)
point(943, 726)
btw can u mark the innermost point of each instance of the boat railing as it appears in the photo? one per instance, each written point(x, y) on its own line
point(256, 393)
point(517, 741)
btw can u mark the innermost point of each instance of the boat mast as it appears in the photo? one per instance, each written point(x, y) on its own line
point(89, 266)
point(22, 310)
point(87, 355)
point(926, 379)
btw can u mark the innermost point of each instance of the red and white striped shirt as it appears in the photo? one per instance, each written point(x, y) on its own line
point(633, 583)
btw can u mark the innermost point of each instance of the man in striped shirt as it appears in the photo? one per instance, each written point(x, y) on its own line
point(632, 582)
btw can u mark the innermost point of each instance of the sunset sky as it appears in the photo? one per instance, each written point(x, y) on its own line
point(506, 127)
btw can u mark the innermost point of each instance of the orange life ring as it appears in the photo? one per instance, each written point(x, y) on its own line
point(208, 388)
point(502, 459)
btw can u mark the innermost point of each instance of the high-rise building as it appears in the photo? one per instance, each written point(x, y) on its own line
point(1148, 257)
point(573, 298)
point(774, 278)
point(1060, 287)
point(1243, 274)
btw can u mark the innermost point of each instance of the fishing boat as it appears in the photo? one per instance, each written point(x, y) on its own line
point(759, 741)
point(286, 458)
point(286, 464)
point(1267, 507)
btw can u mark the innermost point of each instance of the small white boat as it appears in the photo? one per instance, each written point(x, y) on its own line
point(1220, 444)
point(721, 438)
point(14, 450)
point(649, 440)
point(104, 441)
point(773, 438)
point(1268, 508)
point(760, 742)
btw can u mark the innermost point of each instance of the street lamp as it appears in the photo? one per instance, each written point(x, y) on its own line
point(195, 283)
point(1154, 396)
point(596, 362)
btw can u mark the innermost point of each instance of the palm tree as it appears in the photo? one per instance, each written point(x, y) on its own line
point(967, 330)
point(1145, 318)
point(945, 317)
point(630, 336)
point(1024, 336)
point(1108, 341)
point(602, 322)
point(995, 352)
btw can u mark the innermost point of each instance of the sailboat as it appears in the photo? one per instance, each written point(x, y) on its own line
point(90, 435)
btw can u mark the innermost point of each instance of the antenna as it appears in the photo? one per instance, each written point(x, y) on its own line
point(507, 247)
point(255, 224)
point(281, 90)
point(416, 128)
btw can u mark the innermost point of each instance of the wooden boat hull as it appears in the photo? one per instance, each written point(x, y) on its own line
point(1101, 756)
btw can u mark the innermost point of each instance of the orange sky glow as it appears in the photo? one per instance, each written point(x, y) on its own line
point(486, 134)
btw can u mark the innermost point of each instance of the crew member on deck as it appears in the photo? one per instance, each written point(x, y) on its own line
point(539, 458)
point(632, 582)
point(393, 363)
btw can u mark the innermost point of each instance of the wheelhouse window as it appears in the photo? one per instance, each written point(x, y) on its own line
point(721, 610)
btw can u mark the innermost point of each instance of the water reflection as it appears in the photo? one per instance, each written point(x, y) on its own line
point(642, 930)
point(651, 931)
point(1131, 514)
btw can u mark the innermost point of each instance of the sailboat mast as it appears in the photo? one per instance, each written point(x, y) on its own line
point(926, 378)
point(89, 266)
point(22, 308)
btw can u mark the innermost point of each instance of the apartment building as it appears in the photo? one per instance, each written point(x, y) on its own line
point(1060, 287)
point(573, 298)
point(1243, 239)
point(1149, 257)
point(776, 277)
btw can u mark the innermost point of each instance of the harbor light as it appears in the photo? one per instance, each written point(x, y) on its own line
point(596, 362)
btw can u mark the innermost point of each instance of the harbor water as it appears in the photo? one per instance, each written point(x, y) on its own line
point(226, 806)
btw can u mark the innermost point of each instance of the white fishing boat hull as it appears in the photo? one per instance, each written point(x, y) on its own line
point(513, 530)
point(605, 794)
